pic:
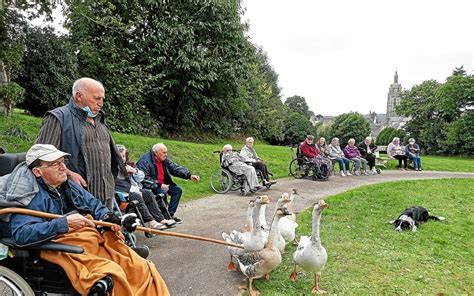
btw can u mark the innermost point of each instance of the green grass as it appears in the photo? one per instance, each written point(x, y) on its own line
point(366, 255)
point(441, 163)
point(18, 133)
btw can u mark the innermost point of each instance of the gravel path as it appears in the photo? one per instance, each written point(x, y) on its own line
point(197, 268)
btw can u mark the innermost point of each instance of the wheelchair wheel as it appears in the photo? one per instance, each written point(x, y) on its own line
point(221, 181)
point(299, 168)
point(12, 284)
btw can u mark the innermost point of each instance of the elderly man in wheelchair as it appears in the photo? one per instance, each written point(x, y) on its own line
point(308, 162)
point(103, 264)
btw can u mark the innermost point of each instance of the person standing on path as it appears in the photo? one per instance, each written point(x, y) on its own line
point(79, 129)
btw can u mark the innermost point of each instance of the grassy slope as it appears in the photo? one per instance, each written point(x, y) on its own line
point(367, 257)
point(19, 132)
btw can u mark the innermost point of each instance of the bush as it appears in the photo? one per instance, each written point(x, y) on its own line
point(387, 134)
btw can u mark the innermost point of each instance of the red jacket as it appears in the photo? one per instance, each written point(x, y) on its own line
point(309, 151)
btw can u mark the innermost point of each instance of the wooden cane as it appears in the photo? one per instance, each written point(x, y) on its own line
point(22, 211)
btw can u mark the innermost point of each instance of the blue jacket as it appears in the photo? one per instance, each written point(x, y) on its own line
point(29, 230)
point(408, 151)
point(146, 163)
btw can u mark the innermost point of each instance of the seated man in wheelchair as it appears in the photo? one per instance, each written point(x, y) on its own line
point(107, 264)
point(322, 165)
point(249, 155)
point(146, 205)
point(234, 163)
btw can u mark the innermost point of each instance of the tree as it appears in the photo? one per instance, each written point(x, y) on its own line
point(387, 134)
point(296, 128)
point(350, 125)
point(298, 104)
point(48, 70)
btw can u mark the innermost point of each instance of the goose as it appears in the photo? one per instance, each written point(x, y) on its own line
point(288, 224)
point(310, 254)
point(253, 237)
point(283, 200)
point(258, 264)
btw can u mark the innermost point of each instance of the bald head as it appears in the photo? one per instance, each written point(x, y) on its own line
point(88, 94)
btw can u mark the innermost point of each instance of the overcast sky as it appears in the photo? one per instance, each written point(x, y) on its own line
point(342, 55)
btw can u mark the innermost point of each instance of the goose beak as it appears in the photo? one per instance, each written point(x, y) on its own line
point(264, 199)
point(323, 204)
point(285, 197)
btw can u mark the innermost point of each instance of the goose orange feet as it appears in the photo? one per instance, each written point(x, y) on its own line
point(293, 276)
point(231, 266)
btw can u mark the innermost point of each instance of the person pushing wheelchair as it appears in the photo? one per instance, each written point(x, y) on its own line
point(107, 266)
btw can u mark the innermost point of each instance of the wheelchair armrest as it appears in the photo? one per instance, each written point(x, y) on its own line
point(49, 246)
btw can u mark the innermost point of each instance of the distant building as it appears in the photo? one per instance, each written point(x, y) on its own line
point(380, 121)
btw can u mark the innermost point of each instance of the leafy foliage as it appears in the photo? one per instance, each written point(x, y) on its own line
point(441, 114)
point(350, 125)
point(48, 71)
point(387, 134)
point(298, 104)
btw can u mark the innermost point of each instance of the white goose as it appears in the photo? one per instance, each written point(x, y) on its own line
point(257, 264)
point(253, 238)
point(310, 254)
point(288, 224)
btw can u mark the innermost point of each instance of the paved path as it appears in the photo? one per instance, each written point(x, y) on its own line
point(197, 268)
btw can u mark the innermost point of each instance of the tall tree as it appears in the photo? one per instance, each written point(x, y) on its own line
point(350, 125)
point(298, 104)
point(48, 70)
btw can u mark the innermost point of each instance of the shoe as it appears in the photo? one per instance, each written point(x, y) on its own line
point(155, 225)
point(374, 171)
point(269, 182)
point(168, 223)
point(364, 173)
point(342, 174)
point(142, 251)
point(348, 173)
point(357, 173)
point(258, 187)
point(177, 220)
point(102, 287)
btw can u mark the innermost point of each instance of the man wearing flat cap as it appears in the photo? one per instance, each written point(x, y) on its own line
point(107, 266)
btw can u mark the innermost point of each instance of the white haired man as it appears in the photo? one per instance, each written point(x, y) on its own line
point(158, 170)
point(79, 129)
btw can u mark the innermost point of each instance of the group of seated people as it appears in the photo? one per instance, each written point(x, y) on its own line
point(361, 156)
point(246, 162)
point(410, 152)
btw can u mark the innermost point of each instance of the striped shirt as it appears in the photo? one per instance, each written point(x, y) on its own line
point(97, 155)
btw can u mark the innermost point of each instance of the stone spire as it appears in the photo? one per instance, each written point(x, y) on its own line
point(393, 97)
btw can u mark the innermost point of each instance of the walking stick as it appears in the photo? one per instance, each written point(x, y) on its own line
point(22, 211)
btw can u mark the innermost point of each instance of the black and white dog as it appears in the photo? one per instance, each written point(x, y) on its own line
point(412, 217)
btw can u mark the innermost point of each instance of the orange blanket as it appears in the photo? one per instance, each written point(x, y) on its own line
point(106, 254)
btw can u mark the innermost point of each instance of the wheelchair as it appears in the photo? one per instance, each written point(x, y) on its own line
point(302, 167)
point(223, 180)
point(22, 271)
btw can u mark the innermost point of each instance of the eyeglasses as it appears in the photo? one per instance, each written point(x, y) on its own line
point(56, 164)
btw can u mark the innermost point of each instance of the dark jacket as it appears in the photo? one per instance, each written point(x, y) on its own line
point(72, 120)
point(28, 230)
point(363, 149)
point(146, 163)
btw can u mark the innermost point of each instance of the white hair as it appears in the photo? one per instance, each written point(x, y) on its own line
point(368, 139)
point(351, 141)
point(249, 139)
point(158, 147)
point(81, 83)
point(396, 139)
point(227, 146)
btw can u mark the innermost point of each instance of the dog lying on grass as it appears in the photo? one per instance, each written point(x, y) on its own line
point(412, 217)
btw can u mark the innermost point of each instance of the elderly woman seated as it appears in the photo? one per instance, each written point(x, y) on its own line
point(234, 162)
point(352, 153)
point(412, 151)
point(395, 151)
point(249, 155)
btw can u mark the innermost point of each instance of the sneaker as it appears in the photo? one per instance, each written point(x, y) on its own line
point(168, 222)
point(142, 251)
point(155, 225)
point(364, 173)
point(348, 173)
point(177, 220)
point(342, 174)
point(357, 173)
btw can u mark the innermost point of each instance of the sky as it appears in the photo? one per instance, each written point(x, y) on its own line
point(342, 55)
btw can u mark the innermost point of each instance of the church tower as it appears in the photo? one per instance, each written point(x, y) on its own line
point(393, 98)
